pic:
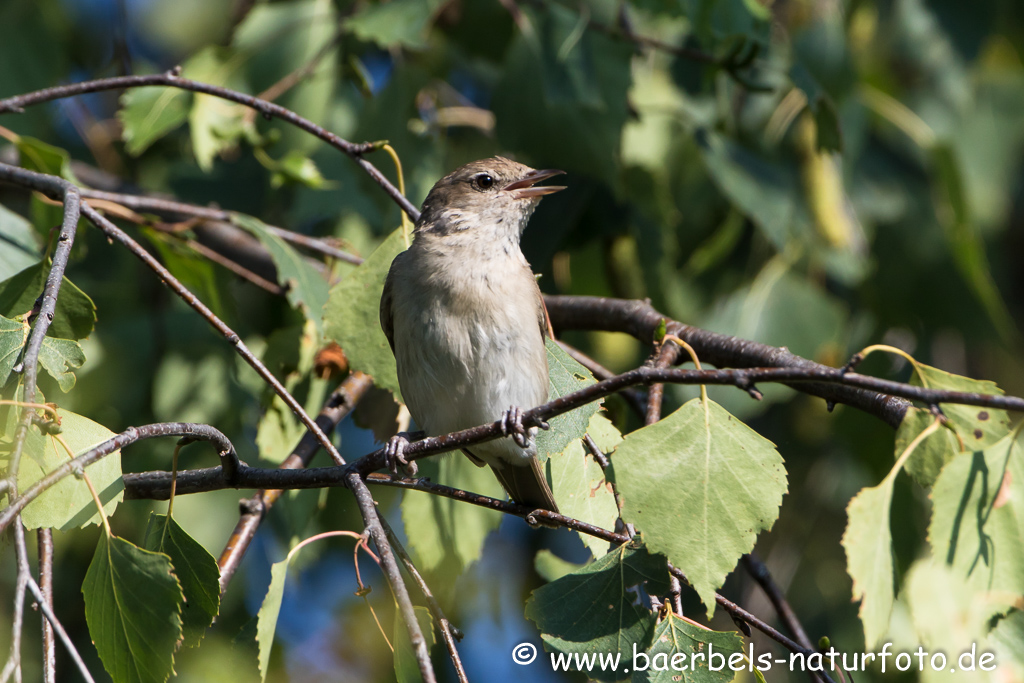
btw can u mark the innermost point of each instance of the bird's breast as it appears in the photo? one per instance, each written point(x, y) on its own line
point(468, 343)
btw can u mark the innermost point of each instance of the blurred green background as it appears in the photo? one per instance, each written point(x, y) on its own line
point(814, 174)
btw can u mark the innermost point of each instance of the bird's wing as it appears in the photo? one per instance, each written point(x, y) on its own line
point(387, 320)
point(542, 317)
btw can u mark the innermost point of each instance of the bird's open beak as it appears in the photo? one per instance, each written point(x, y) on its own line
point(526, 188)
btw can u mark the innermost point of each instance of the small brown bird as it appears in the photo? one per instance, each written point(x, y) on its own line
point(465, 319)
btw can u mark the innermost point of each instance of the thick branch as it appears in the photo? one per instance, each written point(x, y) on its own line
point(639, 319)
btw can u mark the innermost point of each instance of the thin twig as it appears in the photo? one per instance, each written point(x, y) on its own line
point(757, 569)
point(188, 297)
point(640, 320)
point(449, 633)
point(156, 484)
point(191, 431)
point(44, 537)
point(172, 79)
point(368, 509)
point(176, 208)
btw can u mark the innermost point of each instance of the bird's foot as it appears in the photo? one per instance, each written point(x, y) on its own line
point(394, 455)
point(512, 425)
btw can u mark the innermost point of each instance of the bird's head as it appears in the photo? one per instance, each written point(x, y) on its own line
point(495, 195)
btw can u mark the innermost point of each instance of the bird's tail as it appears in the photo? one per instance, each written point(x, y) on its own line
point(526, 485)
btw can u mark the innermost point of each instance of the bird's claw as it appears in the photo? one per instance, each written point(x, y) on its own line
point(512, 425)
point(394, 455)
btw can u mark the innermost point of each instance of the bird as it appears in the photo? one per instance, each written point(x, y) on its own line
point(466, 322)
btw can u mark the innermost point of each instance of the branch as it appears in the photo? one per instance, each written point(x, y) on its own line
point(156, 485)
point(187, 430)
point(368, 509)
point(45, 542)
point(340, 403)
point(448, 631)
point(269, 110)
point(639, 319)
point(188, 297)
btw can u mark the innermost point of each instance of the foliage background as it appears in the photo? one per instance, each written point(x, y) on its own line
point(892, 213)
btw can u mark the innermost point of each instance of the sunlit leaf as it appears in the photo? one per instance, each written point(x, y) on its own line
point(580, 485)
point(18, 246)
point(700, 486)
point(977, 522)
point(269, 611)
point(68, 504)
point(972, 428)
point(148, 114)
point(446, 535)
point(60, 358)
point(306, 288)
point(352, 316)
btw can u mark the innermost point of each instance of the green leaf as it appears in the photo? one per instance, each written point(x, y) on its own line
point(1008, 638)
point(683, 651)
point(132, 607)
point(551, 567)
point(579, 484)
point(195, 272)
point(13, 335)
point(407, 669)
point(307, 288)
point(277, 39)
point(446, 535)
point(60, 357)
point(399, 23)
point(947, 614)
point(40, 156)
point(269, 611)
point(148, 114)
point(868, 544)
point(978, 428)
point(352, 316)
point(565, 376)
point(700, 486)
point(195, 568)
point(216, 124)
point(977, 522)
point(43, 157)
point(68, 504)
point(18, 246)
point(296, 167)
point(75, 315)
point(596, 608)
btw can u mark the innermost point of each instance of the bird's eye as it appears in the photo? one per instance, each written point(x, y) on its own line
point(484, 181)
